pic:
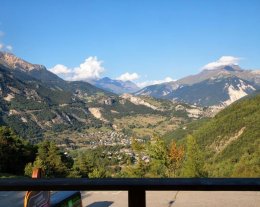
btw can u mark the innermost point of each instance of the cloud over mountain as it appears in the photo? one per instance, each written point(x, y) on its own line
point(128, 77)
point(223, 61)
point(60, 69)
point(153, 82)
point(90, 69)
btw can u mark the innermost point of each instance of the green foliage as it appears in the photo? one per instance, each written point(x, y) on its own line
point(193, 163)
point(91, 164)
point(158, 153)
point(136, 146)
point(181, 133)
point(84, 164)
point(28, 169)
point(49, 158)
point(20, 102)
point(14, 152)
point(139, 170)
point(230, 154)
point(98, 173)
point(28, 130)
point(45, 114)
point(248, 165)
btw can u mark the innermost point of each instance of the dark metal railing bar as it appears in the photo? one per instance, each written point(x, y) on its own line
point(127, 184)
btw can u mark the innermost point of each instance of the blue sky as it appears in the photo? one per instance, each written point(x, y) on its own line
point(149, 39)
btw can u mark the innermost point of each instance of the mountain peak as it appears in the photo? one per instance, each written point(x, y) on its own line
point(230, 67)
point(106, 78)
point(14, 62)
point(116, 86)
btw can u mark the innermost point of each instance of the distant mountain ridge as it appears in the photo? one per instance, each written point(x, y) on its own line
point(219, 87)
point(115, 86)
point(37, 103)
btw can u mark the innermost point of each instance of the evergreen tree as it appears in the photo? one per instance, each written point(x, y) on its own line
point(14, 152)
point(83, 165)
point(137, 171)
point(49, 158)
point(159, 158)
point(193, 163)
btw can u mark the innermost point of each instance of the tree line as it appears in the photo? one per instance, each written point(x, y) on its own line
point(19, 157)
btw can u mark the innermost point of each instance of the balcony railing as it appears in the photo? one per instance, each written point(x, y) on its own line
point(136, 187)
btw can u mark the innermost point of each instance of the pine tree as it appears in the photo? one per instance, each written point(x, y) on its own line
point(193, 164)
point(138, 171)
point(159, 158)
point(49, 159)
point(14, 152)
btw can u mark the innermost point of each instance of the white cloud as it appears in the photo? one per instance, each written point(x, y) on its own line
point(60, 69)
point(2, 45)
point(9, 47)
point(224, 60)
point(153, 82)
point(90, 69)
point(5, 48)
point(128, 77)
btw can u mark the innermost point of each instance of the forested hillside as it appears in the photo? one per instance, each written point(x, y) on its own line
point(230, 140)
point(224, 146)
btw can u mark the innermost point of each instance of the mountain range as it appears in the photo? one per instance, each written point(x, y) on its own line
point(219, 87)
point(37, 103)
point(115, 86)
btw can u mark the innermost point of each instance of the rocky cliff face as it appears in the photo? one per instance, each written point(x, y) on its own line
point(13, 62)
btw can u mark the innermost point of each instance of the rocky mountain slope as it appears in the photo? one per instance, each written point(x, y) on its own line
point(219, 87)
point(37, 104)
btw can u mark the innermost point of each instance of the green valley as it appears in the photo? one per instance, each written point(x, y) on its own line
point(74, 129)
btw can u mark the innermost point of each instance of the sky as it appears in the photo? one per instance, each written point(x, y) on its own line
point(144, 41)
